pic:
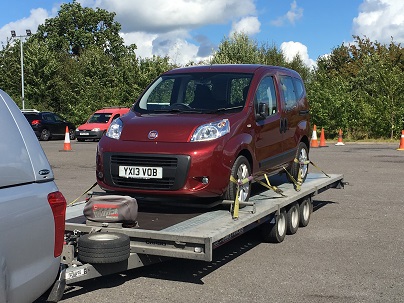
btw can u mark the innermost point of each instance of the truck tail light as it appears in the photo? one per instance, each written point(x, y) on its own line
point(57, 203)
point(35, 122)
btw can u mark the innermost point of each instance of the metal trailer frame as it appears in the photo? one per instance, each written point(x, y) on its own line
point(195, 238)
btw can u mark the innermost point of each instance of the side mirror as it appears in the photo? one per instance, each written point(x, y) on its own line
point(262, 111)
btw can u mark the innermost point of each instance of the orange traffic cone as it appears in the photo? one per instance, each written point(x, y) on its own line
point(314, 142)
point(67, 146)
point(322, 138)
point(401, 147)
point(340, 138)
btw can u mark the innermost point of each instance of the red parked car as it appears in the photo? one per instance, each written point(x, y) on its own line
point(193, 127)
point(98, 123)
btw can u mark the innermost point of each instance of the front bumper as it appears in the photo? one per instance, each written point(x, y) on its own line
point(88, 134)
point(201, 170)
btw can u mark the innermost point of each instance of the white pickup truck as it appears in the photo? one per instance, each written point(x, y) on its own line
point(32, 211)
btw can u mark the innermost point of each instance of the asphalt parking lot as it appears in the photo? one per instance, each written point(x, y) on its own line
point(352, 250)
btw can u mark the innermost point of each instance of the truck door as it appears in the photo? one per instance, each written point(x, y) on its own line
point(291, 90)
point(268, 138)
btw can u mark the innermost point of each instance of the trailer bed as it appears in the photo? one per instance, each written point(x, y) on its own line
point(194, 235)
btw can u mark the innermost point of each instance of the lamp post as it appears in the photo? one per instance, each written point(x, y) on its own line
point(13, 35)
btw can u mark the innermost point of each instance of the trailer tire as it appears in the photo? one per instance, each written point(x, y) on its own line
point(293, 219)
point(305, 210)
point(103, 248)
point(275, 232)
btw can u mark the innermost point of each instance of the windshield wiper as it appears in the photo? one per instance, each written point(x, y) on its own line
point(175, 110)
point(224, 109)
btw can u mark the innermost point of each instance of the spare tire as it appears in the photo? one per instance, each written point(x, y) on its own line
point(103, 248)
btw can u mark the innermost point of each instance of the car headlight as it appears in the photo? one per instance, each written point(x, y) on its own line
point(211, 131)
point(115, 129)
point(96, 129)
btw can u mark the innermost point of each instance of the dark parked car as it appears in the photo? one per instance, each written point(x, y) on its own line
point(48, 125)
point(195, 127)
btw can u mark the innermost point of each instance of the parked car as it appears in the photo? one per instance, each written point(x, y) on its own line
point(48, 125)
point(98, 123)
point(194, 127)
point(32, 211)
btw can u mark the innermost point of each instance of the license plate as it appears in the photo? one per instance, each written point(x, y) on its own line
point(76, 273)
point(141, 172)
point(84, 134)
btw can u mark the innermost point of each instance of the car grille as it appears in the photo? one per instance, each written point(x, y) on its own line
point(175, 171)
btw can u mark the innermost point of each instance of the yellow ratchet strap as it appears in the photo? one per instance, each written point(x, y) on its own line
point(319, 169)
point(75, 200)
point(269, 186)
point(297, 183)
point(236, 205)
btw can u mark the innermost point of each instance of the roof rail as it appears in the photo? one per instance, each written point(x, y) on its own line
point(118, 106)
point(29, 111)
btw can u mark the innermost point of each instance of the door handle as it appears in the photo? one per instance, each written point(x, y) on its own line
point(283, 125)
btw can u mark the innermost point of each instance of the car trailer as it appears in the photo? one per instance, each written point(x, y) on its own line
point(94, 249)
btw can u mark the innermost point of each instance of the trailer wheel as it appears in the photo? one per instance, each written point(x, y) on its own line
point(305, 210)
point(240, 170)
point(292, 219)
point(103, 248)
point(275, 232)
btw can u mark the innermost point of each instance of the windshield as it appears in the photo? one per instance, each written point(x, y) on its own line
point(196, 93)
point(100, 118)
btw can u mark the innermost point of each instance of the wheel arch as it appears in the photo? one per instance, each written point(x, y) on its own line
point(306, 141)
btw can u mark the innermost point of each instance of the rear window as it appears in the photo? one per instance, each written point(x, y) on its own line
point(31, 117)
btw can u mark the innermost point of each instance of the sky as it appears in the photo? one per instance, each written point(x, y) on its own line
point(190, 30)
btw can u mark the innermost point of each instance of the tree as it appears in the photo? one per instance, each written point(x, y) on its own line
point(76, 28)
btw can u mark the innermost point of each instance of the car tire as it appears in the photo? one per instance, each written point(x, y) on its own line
point(103, 247)
point(241, 169)
point(72, 134)
point(301, 167)
point(45, 135)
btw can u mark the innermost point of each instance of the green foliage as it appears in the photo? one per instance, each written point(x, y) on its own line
point(240, 49)
point(359, 88)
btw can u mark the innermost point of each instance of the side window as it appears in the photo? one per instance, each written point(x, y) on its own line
point(299, 88)
point(289, 92)
point(266, 94)
point(14, 166)
point(58, 118)
point(48, 117)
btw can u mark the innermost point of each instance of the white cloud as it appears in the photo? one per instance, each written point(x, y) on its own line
point(162, 16)
point(380, 20)
point(291, 49)
point(143, 41)
point(295, 13)
point(162, 27)
point(248, 25)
